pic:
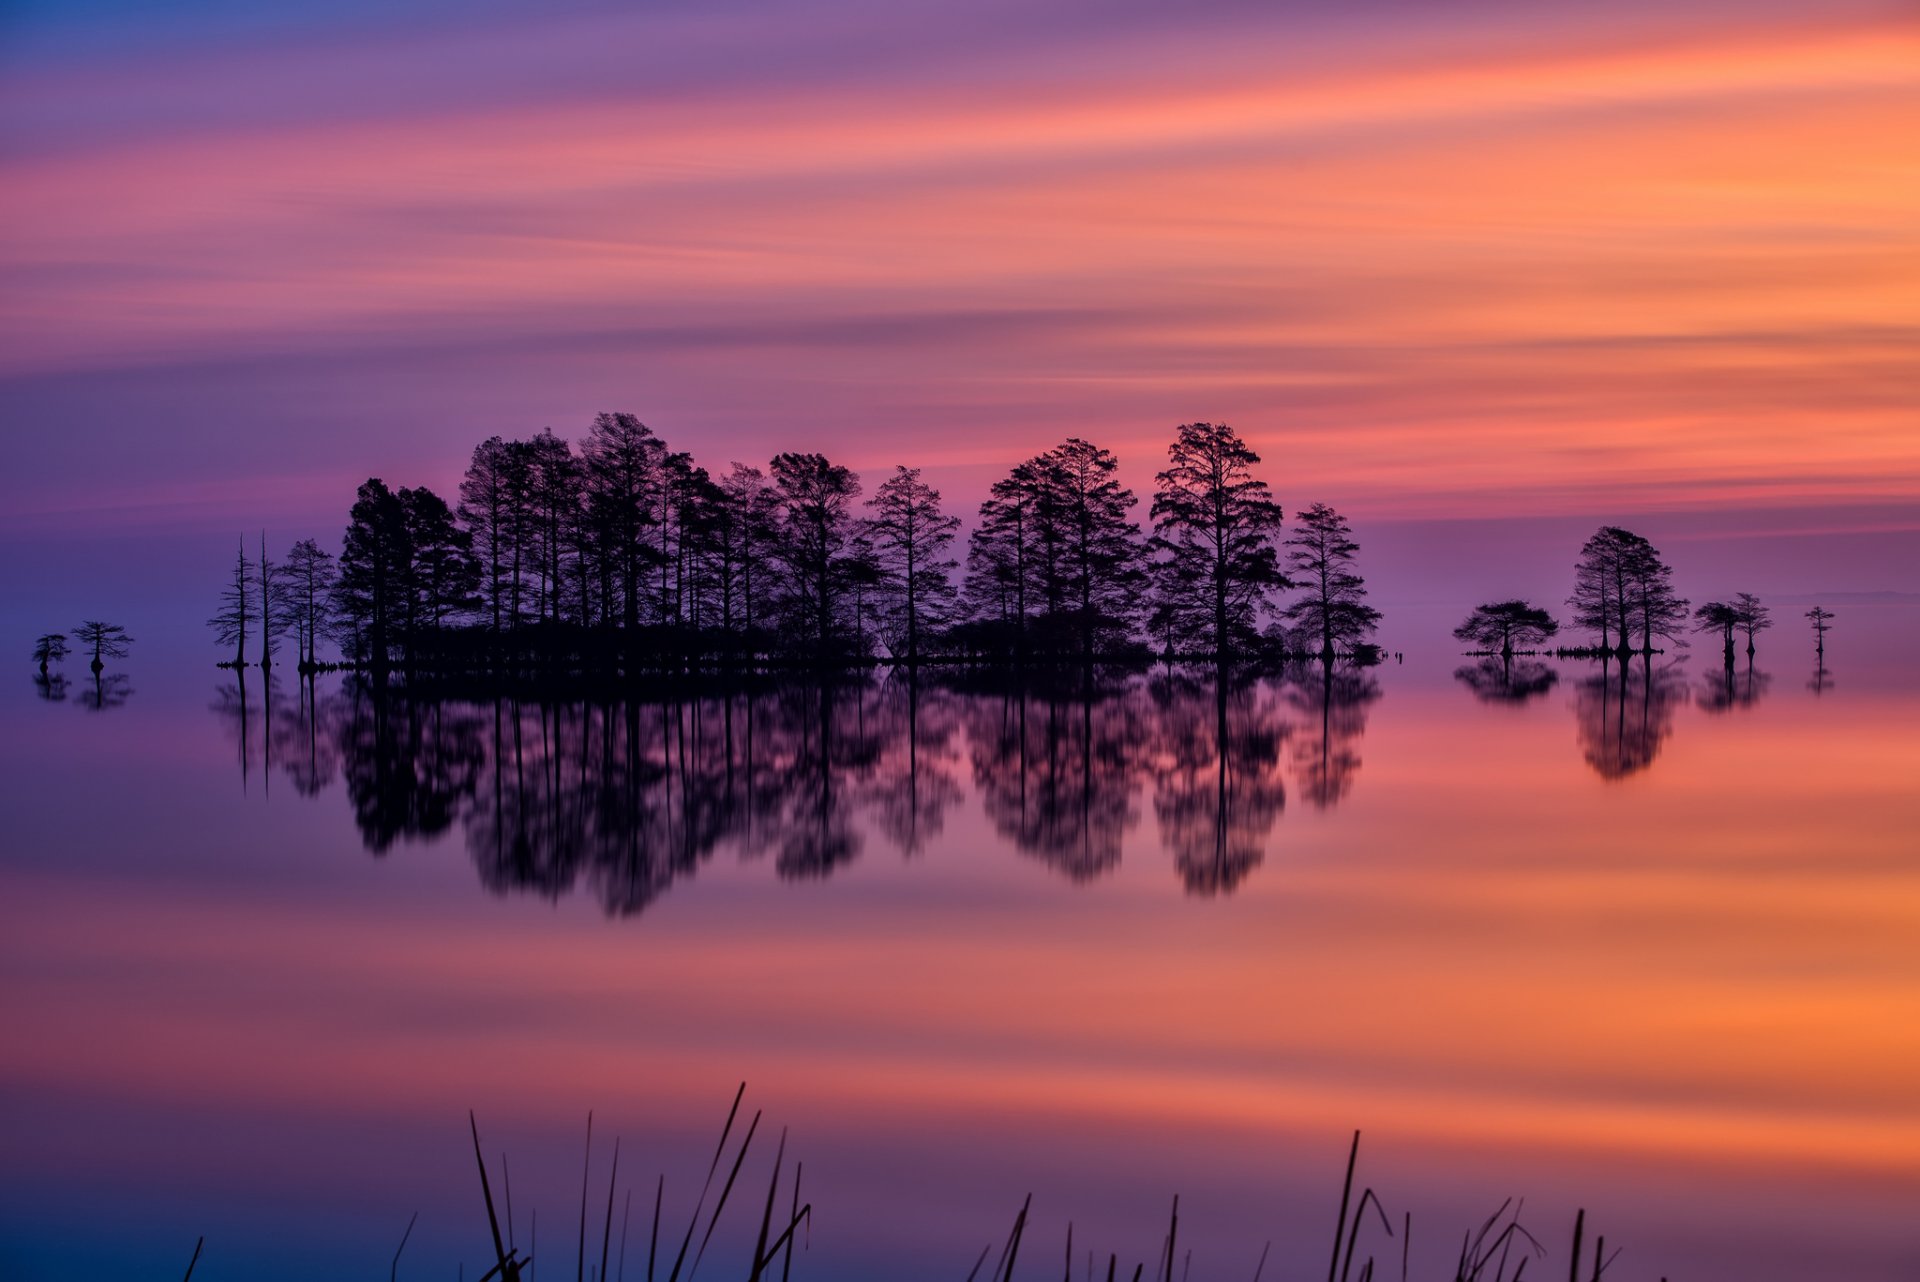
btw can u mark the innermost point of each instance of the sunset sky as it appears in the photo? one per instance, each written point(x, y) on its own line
point(1644, 260)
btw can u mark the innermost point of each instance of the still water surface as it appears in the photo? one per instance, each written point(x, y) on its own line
point(1648, 946)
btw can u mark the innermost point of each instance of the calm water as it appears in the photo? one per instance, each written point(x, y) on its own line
point(1648, 946)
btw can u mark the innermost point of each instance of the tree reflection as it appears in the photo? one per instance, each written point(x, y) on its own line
point(624, 796)
point(1509, 681)
point(106, 691)
point(1333, 699)
point(1217, 781)
point(1056, 770)
point(50, 686)
point(1625, 714)
point(1728, 687)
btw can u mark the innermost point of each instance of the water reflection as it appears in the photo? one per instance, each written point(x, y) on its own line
point(1625, 713)
point(50, 686)
point(1326, 750)
point(1730, 687)
point(106, 691)
point(624, 796)
point(1510, 681)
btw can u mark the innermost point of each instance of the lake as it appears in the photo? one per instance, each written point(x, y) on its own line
point(1643, 944)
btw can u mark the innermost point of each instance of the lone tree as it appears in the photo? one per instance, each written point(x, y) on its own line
point(1718, 616)
point(106, 640)
point(909, 535)
point(236, 613)
point(1754, 617)
point(1820, 619)
point(50, 648)
point(1215, 526)
point(1320, 554)
point(1501, 624)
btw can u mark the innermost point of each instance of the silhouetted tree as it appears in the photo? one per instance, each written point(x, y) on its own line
point(815, 501)
point(236, 614)
point(1094, 563)
point(1320, 556)
point(910, 535)
point(371, 593)
point(1622, 586)
point(491, 495)
point(749, 537)
point(306, 606)
point(553, 500)
point(1718, 616)
point(271, 601)
point(440, 575)
point(1821, 619)
point(51, 647)
point(1499, 625)
point(1215, 526)
point(1001, 560)
point(623, 460)
point(104, 640)
point(1754, 617)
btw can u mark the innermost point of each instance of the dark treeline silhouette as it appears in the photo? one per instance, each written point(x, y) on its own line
point(626, 555)
point(626, 794)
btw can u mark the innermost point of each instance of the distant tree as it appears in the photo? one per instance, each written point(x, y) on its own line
point(1500, 625)
point(1001, 557)
point(749, 539)
point(1754, 617)
point(49, 648)
point(552, 498)
point(816, 497)
point(1821, 620)
point(441, 577)
point(1090, 549)
point(306, 604)
point(623, 460)
point(1718, 616)
point(1622, 586)
point(489, 495)
point(911, 535)
point(270, 601)
point(105, 640)
point(1320, 557)
point(376, 562)
point(1215, 527)
point(236, 614)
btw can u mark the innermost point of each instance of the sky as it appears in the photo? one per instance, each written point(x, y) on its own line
point(1495, 269)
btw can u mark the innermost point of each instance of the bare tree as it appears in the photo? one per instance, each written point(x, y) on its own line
point(105, 640)
point(49, 648)
point(306, 605)
point(268, 576)
point(236, 614)
point(1754, 617)
point(1821, 619)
